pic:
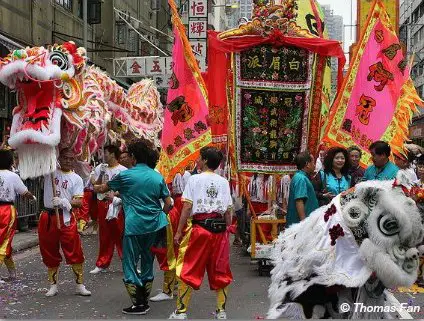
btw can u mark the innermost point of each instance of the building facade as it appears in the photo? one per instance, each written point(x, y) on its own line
point(411, 33)
point(43, 22)
point(334, 25)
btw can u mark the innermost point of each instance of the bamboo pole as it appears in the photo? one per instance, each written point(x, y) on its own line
point(54, 194)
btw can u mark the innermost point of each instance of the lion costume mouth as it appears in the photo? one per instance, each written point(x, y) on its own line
point(37, 119)
point(35, 131)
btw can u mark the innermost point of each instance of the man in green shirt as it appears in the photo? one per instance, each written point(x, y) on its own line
point(383, 169)
point(141, 188)
point(302, 198)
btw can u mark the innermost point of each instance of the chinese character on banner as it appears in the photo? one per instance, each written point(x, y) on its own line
point(198, 9)
point(136, 67)
point(155, 66)
point(197, 29)
point(199, 48)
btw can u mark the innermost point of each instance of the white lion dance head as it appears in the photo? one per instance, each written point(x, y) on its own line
point(351, 250)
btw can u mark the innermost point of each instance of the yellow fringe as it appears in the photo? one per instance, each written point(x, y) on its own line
point(398, 131)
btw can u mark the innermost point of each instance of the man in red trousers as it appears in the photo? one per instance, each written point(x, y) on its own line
point(110, 230)
point(69, 192)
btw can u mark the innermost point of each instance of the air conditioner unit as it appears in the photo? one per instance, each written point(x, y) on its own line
point(135, 24)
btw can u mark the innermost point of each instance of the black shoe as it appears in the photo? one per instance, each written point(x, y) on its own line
point(136, 309)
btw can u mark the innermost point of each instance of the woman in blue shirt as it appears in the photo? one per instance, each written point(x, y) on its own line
point(334, 179)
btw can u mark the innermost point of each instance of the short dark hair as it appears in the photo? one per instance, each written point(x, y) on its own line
point(6, 159)
point(212, 156)
point(144, 152)
point(66, 150)
point(354, 148)
point(113, 150)
point(381, 148)
point(329, 157)
point(302, 159)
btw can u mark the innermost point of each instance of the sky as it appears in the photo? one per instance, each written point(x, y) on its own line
point(343, 8)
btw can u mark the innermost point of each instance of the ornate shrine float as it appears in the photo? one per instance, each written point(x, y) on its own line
point(277, 89)
point(347, 255)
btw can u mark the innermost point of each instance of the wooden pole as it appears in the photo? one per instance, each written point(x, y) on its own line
point(54, 195)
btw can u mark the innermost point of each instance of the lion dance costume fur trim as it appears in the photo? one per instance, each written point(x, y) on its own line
point(349, 251)
point(63, 103)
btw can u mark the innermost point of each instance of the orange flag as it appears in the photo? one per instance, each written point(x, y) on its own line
point(185, 129)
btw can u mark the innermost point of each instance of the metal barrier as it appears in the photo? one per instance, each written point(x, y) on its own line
point(24, 207)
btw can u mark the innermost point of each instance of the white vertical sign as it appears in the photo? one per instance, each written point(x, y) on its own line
point(197, 29)
point(198, 9)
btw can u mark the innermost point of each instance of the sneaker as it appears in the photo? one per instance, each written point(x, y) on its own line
point(136, 309)
point(53, 290)
point(221, 315)
point(178, 316)
point(97, 270)
point(161, 297)
point(81, 290)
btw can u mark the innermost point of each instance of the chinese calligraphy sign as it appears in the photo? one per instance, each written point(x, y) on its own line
point(197, 29)
point(271, 67)
point(198, 9)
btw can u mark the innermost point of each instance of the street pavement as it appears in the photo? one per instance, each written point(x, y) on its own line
point(24, 298)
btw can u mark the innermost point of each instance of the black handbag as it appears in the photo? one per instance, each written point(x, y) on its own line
point(213, 225)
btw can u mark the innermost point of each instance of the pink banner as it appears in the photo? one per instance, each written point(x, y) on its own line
point(185, 129)
point(380, 75)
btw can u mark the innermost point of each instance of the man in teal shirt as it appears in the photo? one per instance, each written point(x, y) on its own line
point(383, 169)
point(141, 188)
point(302, 198)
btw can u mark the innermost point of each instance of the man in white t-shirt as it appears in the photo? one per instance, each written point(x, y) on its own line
point(205, 245)
point(11, 185)
point(69, 189)
point(110, 231)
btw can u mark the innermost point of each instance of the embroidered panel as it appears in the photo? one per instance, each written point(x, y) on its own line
point(271, 128)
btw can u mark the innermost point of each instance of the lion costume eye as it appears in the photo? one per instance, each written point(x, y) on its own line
point(59, 59)
point(388, 225)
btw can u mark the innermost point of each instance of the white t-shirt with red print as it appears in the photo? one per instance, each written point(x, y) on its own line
point(69, 185)
point(208, 193)
point(11, 185)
